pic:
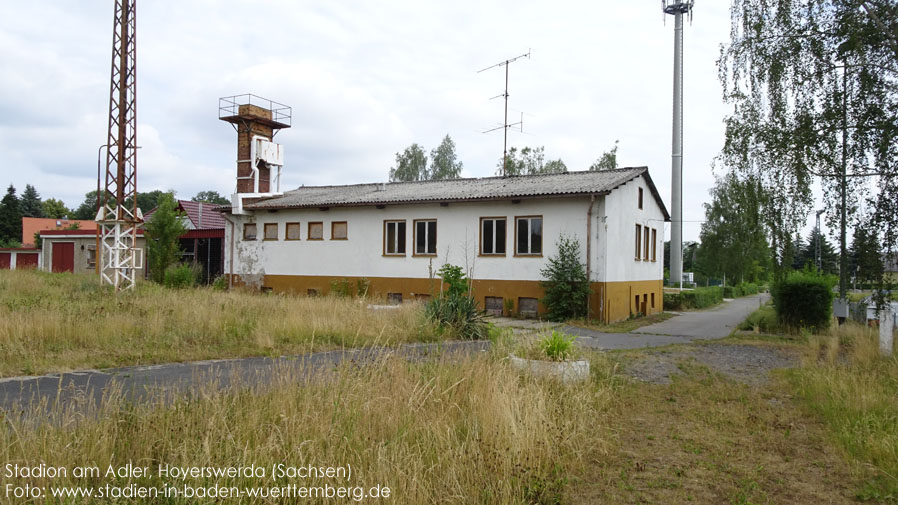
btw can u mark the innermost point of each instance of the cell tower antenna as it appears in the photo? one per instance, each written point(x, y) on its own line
point(505, 125)
point(118, 217)
point(677, 9)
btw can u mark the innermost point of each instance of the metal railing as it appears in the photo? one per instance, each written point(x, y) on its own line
point(229, 106)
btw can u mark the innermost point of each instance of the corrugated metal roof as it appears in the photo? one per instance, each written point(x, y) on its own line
point(455, 190)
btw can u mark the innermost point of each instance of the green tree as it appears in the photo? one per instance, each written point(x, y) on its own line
point(88, 208)
point(444, 162)
point(733, 239)
point(10, 217)
point(411, 165)
point(55, 209)
point(162, 232)
point(813, 89)
point(608, 160)
point(566, 285)
point(807, 254)
point(211, 197)
point(866, 256)
point(148, 201)
point(30, 203)
point(529, 161)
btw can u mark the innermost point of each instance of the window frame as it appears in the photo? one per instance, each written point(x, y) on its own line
point(638, 241)
point(309, 230)
point(268, 226)
point(287, 230)
point(345, 224)
point(255, 235)
point(529, 230)
point(646, 237)
point(404, 252)
point(495, 243)
point(426, 236)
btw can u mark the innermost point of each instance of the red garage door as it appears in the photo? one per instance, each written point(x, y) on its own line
point(4, 260)
point(26, 260)
point(63, 256)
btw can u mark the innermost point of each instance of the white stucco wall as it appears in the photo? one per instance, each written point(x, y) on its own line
point(614, 220)
point(361, 255)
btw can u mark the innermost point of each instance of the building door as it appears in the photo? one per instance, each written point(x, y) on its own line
point(26, 260)
point(5, 260)
point(494, 305)
point(63, 256)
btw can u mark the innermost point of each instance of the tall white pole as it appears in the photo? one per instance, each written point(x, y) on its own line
point(676, 177)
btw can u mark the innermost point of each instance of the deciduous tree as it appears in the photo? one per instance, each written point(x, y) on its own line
point(211, 197)
point(607, 161)
point(162, 232)
point(444, 162)
point(411, 165)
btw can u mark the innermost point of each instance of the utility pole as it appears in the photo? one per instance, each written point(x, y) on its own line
point(677, 9)
point(505, 126)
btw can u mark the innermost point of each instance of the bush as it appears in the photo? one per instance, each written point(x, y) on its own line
point(566, 285)
point(454, 309)
point(673, 301)
point(557, 346)
point(183, 275)
point(764, 319)
point(698, 298)
point(220, 283)
point(804, 299)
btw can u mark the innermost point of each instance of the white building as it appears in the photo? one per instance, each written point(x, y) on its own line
point(502, 230)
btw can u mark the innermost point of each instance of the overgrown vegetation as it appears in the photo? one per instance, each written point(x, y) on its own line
point(804, 300)
point(474, 431)
point(454, 310)
point(697, 298)
point(852, 389)
point(565, 285)
point(557, 346)
point(57, 322)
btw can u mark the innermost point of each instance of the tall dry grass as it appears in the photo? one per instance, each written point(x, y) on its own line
point(855, 391)
point(53, 322)
point(471, 431)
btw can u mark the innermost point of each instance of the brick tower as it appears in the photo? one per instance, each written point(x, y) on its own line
point(259, 160)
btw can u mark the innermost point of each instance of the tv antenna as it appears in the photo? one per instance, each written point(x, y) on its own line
point(505, 126)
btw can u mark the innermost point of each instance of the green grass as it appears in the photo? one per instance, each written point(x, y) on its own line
point(58, 322)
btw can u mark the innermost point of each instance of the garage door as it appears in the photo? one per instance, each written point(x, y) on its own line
point(26, 260)
point(4, 260)
point(63, 256)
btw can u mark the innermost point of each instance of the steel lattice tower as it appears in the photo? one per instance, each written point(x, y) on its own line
point(119, 218)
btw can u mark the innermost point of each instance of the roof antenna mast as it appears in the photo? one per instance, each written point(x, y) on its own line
point(677, 9)
point(505, 126)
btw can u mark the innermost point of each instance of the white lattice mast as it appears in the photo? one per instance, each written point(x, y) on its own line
point(119, 218)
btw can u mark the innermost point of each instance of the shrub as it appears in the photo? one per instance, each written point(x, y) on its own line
point(220, 283)
point(673, 301)
point(342, 288)
point(803, 299)
point(566, 285)
point(184, 275)
point(162, 232)
point(698, 298)
point(557, 346)
point(454, 309)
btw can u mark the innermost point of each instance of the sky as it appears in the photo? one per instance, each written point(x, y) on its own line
point(364, 80)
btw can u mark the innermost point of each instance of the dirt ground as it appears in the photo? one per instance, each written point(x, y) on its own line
point(714, 424)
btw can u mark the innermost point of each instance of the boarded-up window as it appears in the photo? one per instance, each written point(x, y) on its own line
point(249, 231)
point(394, 237)
point(271, 231)
point(493, 305)
point(292, 231)
point(316, 231)
point(394, 298)
point(492, 235)
point(91, 256)
point(312, 292)
point(339, 230)
point(528, 307)
point(426, 237)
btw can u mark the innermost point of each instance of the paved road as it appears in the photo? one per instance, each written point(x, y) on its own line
point(716, 322)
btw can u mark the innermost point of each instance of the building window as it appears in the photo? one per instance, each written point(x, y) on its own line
point(316, 231)
point(91, 256)
point(529, 235)
point(492, 236)
point(653, 300)
point(394, 298)
point(654, 248)
point(425, 237)
point(394, 238)
point(640, 198)
point(292, 231)
point(249, 231)
point(339, 230)
point(494, 305)
point(645, 255)
point(638, 241)
point(271, 231)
